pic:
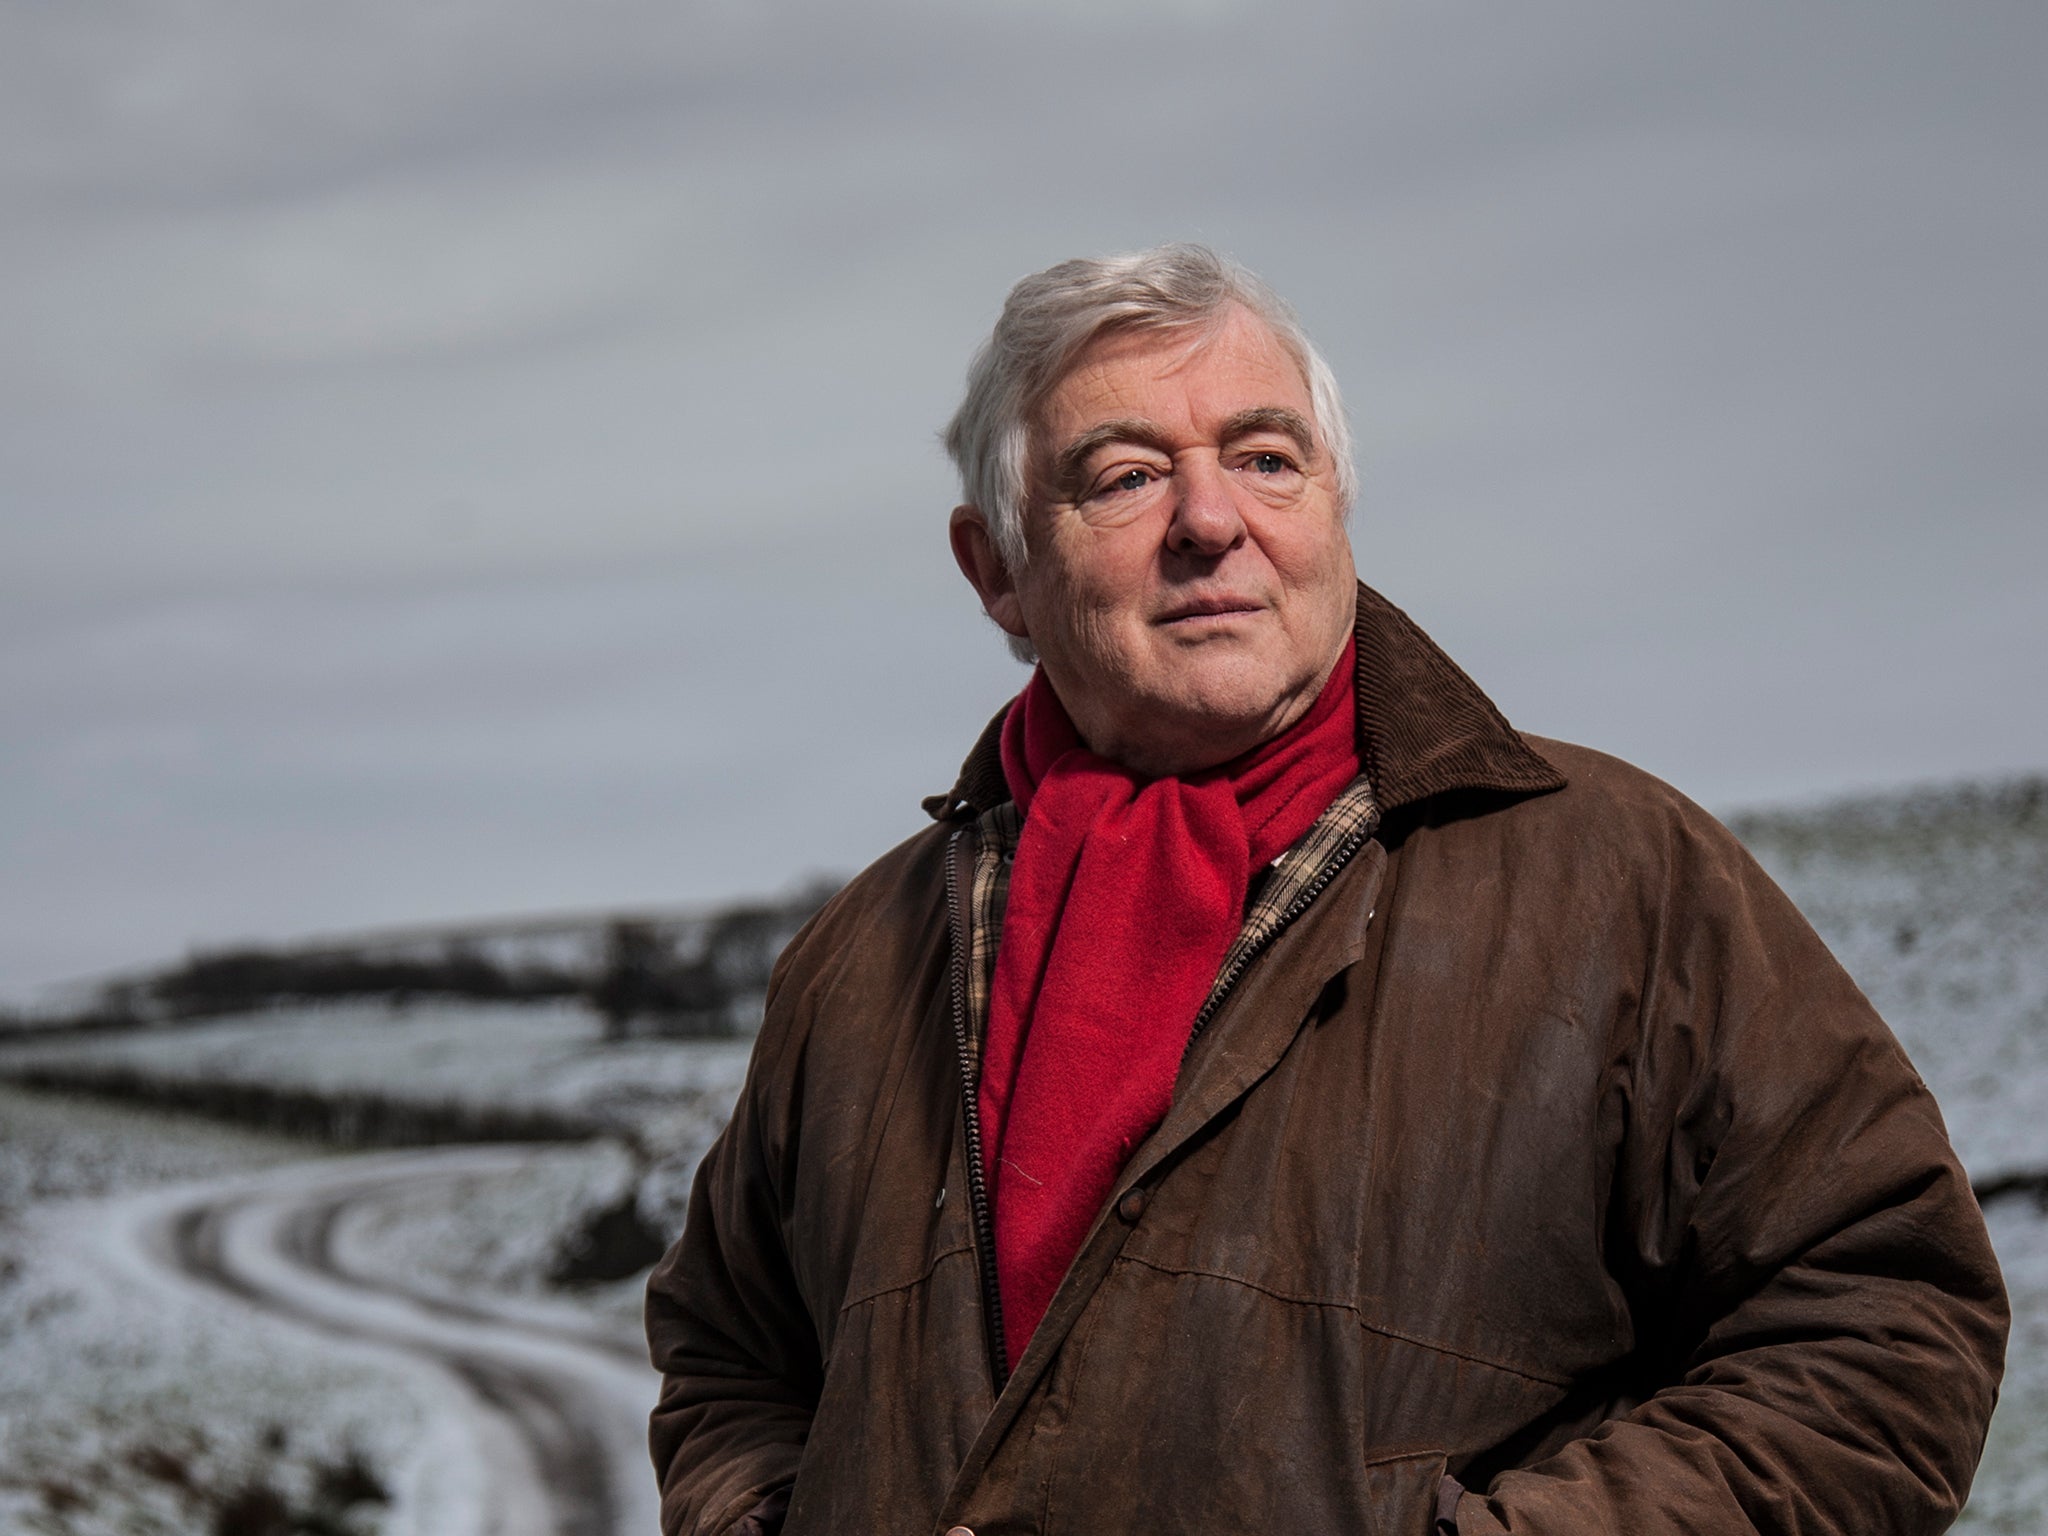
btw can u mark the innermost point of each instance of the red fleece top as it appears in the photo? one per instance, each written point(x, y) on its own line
point(1124, 899)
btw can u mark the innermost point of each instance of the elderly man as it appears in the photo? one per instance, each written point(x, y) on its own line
point(1276, 1095)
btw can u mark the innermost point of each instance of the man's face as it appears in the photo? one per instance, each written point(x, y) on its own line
point(1190, 581)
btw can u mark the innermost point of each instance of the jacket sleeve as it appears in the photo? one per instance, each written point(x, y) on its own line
point(730, 1333)
point(1818, 1313)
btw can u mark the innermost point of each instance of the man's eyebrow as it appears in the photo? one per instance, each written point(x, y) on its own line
point(1273, 418)
point(1071, 462)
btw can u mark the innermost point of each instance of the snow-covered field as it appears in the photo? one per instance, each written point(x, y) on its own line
point(2011, 1494)
point(129, 1404)
point(130, 1407)
point(135, 1405)
point(135, 1400)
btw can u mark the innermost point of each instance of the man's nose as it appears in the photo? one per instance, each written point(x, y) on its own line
point(1206, 520)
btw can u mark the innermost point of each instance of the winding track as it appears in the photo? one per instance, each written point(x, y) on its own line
point(560, 1406)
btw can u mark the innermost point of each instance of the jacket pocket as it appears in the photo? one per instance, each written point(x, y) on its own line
point(1401, 1492)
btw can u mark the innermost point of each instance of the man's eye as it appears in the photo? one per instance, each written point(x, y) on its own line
point(1269, 463)
point(1131, 480)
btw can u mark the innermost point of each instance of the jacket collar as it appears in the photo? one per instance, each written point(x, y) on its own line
point(1424, 727)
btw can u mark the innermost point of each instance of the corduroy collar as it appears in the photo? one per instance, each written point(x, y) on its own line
point(1424, 728)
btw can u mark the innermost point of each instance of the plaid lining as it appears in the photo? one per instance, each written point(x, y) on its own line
point(1274, 892)
point(995, 850)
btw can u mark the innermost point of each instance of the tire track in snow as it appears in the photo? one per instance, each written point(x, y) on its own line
point(560, 1406)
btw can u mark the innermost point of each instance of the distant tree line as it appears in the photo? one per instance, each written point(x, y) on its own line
point(238, 980)
point(646, 978)
point(699, 976)
point(345, 1117)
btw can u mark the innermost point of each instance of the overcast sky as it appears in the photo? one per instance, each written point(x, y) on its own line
point(464, 459)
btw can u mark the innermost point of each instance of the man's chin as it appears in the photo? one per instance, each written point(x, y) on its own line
point(1197, 732)
point(1222, 684)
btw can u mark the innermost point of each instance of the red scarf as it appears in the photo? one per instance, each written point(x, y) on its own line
point(1124, 899)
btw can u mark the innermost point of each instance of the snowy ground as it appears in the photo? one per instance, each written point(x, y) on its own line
point(119, 1417)
point(501, 1234)
point(130, 1405)
point(549, 1412)
point(2011, 1494)
point(134, 1401)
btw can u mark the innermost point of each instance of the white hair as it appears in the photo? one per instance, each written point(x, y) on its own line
point(1050, 317)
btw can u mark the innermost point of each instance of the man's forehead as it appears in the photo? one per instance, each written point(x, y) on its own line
point(1233, 369)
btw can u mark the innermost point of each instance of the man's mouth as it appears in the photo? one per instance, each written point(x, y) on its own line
point(1209, 608)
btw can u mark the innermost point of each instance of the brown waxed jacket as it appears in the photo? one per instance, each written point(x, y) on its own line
point(1545, 1152)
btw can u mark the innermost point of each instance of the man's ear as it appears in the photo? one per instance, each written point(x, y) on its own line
point(974, 550)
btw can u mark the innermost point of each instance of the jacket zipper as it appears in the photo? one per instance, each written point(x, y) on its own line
point(970, 1103)
point(1339, 857)
point(970, 1112)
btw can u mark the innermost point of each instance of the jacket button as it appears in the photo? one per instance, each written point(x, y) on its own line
point(960, 1530)
point(1131, 1207)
